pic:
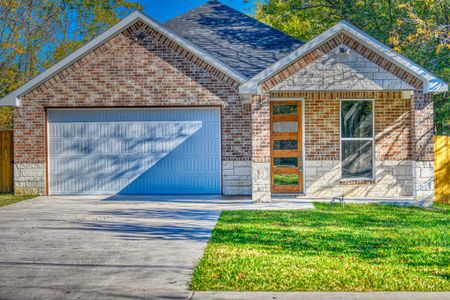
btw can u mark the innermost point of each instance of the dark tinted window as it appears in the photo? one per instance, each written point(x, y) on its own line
point(284, 109)
point(357, 159)
point(356, 119)
point(285, 162)
point(285, 145)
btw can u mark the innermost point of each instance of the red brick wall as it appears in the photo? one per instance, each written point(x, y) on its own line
point(422, 123)
point(131, 69)
point(393, 127)
point(322, 117)
point(321, 126)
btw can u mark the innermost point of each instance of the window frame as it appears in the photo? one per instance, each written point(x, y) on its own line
point(342, 139)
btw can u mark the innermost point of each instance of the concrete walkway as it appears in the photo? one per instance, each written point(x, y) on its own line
point(80, 247)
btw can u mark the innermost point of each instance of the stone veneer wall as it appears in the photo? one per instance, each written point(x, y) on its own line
point(334, 71)
point(392, 179)
point(261, 182)
point(237, 177)
point(29, 179)
point(424, 181)
point(329, 45)
point(137, 68)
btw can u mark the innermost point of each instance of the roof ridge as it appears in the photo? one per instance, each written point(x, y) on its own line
point(225, 32)
point(234, 9)
point(192, 9)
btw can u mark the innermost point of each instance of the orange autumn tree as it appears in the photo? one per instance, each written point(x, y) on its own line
point(34, 34)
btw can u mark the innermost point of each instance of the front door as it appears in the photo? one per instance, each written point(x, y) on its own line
point(286, 147)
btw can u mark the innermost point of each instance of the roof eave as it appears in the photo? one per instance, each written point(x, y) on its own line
point(10, 100)
point(13, 98)
point(435, 86)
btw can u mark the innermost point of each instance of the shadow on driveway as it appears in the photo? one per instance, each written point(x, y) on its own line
point(149, 232)
point(174, 214)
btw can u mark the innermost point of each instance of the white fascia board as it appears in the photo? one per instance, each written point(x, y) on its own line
point(10, 100)
point(432, 84)
point(13, 98)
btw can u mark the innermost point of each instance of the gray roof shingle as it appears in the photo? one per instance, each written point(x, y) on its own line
point(237, 40)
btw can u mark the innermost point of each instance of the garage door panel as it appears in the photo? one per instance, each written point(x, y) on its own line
point(156, 130)
point(134, 115)
point(74, 165)
point(149, 151)
point(75, 149)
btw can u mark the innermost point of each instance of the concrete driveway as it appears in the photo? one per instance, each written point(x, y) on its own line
point(94, 247)
point(97, 247)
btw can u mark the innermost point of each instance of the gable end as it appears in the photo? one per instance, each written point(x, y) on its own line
point(355, 39)
point(134, 31)
point(325, 49)
point(76, 58)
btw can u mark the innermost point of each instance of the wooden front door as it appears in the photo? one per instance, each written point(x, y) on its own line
point(286, 147)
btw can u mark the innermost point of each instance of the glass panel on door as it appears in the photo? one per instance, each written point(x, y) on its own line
point(286, 144)
point(285, 162)
point(284, 109)
point(285, 179)
point(285, 126)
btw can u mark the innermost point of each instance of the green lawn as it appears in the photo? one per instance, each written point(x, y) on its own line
point(7, 199)
point(331, 248)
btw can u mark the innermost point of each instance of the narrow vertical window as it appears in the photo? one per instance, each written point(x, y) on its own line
point(357, 139)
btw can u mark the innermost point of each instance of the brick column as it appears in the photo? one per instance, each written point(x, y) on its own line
point(261, 148)
point(422, 142)
point(29, 150)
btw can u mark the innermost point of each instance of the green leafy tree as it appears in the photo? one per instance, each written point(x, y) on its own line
point(419, 29)
point(429, 45)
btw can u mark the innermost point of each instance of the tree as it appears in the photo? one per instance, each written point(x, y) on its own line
point(34, 34)
point(429, 45)
point(419, 29)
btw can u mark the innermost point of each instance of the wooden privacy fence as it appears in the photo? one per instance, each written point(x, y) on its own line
point(442, 168)
point(6, 161)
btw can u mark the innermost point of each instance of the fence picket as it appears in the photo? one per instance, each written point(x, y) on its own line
point(442, 168)
point(6, 157)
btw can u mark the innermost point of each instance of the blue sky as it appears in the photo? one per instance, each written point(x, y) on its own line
point(163, 10)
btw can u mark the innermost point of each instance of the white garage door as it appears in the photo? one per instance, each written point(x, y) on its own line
point(134, 151)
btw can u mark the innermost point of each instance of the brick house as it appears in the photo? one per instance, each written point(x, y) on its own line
point(215, 102)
